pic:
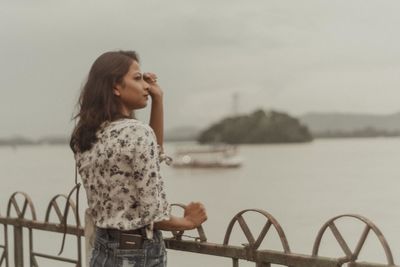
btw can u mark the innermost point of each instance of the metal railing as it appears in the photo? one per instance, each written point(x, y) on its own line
point(17, 218)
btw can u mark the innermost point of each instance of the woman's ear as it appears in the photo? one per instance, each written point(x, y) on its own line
point(116, 91)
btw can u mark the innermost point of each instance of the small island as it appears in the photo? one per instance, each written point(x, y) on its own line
point(259, 127)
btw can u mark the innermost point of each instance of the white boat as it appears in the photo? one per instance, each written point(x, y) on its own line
point(208, 157)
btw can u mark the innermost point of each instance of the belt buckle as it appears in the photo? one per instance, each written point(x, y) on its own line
point(130, 241)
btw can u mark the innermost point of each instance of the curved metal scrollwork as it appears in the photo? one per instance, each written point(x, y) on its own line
point(13, 203)
point(254, 244)
point(54, 205)
point(178, 234)
point(352, 256)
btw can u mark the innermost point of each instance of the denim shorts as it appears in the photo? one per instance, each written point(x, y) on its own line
point(106, 253)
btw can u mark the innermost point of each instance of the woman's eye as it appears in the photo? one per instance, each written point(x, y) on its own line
point(138, 78)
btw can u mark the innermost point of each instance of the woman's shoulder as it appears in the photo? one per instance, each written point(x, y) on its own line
point(130, 126)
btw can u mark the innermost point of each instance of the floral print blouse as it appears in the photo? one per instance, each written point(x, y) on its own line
point(121, 176)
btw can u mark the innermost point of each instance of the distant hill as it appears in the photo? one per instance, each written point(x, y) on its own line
point(257, 128)
point(352, 125)
point(183, 133)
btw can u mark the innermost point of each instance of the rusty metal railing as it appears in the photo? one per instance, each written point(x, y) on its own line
point(17, 218)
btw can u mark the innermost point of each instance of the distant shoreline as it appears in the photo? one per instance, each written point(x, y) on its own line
point(5, 143)
point(18, 141)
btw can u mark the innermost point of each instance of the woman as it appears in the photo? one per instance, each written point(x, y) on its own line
point(118, 159)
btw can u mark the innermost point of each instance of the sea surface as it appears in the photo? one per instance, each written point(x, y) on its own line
point(301, 185)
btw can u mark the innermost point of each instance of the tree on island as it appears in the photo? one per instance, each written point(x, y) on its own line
point(256, 128)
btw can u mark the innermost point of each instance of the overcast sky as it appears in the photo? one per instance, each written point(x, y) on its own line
point(294, 56)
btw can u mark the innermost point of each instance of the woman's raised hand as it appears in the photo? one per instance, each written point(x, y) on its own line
point(151, 79)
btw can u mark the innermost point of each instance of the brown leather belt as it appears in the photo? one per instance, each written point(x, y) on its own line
point(128, 239)
point(116, 232)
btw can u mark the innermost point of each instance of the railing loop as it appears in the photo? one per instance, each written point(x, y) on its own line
point(54, 205)
point(352, 256)
point(254, 244)
point(21, 212)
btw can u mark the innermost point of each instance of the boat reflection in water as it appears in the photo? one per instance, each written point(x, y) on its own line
point(221, 156)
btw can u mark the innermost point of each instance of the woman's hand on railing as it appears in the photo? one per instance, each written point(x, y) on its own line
point(194, 216)
point(195, 213)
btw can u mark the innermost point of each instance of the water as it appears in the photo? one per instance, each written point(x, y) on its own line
point(301, 185)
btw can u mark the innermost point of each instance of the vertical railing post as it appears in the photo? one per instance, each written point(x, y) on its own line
point(18, 247)
point(6, 245)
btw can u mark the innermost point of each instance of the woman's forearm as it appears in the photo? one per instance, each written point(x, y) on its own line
point(157, 118)
point(194, 216)
point(175, 224)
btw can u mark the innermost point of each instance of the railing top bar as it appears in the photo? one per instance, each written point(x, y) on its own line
point(51, 227)
point(367, 264)
point(229, 251)
point(54, 257)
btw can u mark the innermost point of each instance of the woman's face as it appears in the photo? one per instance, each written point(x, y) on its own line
point(133, 91)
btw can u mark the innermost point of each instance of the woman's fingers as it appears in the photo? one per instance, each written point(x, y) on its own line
point(196, 212)
point(154, 89)
point(150, 77)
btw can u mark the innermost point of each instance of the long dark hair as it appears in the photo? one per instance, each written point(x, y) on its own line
point(97, 103)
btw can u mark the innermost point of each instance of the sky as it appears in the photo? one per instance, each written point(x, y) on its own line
point(292, 56)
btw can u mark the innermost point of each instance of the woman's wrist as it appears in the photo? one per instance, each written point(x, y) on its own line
point(157, 97)
point(189, 224)
point(175, 224)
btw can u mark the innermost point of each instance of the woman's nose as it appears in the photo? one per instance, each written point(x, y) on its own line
point(146, 85)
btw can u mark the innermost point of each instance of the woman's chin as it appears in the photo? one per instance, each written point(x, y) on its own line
point(139, 105)
point(142, 106)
